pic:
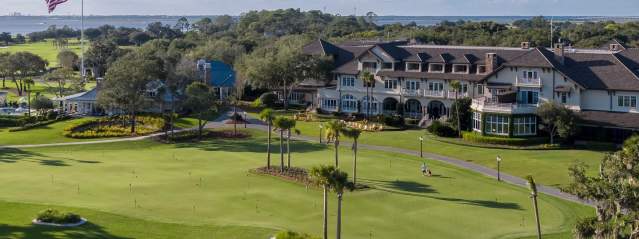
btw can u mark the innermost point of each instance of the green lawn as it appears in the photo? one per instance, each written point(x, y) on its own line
point(207, 184)
point(550, 167)
point(45, 49)
point(42, 135)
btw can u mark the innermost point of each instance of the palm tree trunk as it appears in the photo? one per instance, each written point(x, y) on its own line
point(336, 152)
point(281, 151)
point(288, 149)
point(268, 147)
point(355, 162)
point(534, 198)
point(325, 225)
point(457, 112)
point(339, 216)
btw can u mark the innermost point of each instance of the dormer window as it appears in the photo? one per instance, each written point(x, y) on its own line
point(436, 67)
point(369, 66)
point(412, 66)
point(387, 66)
point(460, 69)
point(481, 69)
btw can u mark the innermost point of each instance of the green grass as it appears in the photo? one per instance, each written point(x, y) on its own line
point(208, 184)
point(42, 135)
point(44, 49)
point(549, 167)
point(17, 216)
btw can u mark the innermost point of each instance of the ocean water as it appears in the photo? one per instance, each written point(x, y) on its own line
point(27, 24)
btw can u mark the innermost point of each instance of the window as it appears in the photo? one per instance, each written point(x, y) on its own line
point(526, 125)
point(528, 97)
point(390, 84)
point(627, 101)
point(435, 86)
point(476, 121)
point(349, 103)
point(329, 103)
point(369, 66)
point(480, 89)
point(563, 97)
point(530, 75)
point(496, 124)
point(296, 97)
point(387, 66)
point(436, 67)
point(460, 69)
point(348, 81)
point(464, 88)
point(373, 103)
point(412, 66)
point(481, 69)
point(412, 85)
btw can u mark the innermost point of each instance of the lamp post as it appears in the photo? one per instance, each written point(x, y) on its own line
point(421, 146)
point(320, 136)
point(245, 119)
point(498, 168)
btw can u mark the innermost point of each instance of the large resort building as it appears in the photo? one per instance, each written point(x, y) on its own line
point(506, 84)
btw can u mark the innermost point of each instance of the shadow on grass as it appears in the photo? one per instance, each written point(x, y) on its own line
point(13, 155)
point(250, 145)
point(88, 230)
point(411, 188)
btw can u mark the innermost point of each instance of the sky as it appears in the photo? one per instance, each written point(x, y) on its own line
point(343, 7)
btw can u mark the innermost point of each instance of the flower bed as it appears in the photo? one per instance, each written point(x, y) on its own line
point(192, 135)
point(113, 127)
point(52, 217)
point(365, 125)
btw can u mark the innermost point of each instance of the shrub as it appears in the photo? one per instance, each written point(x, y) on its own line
point(441, 129)
point(29, 126)
point(395, 121)
point(269, 99)
point(500, 140)
point(54, 216)
point(410, 121)
point(113, 127)
point(292, 235)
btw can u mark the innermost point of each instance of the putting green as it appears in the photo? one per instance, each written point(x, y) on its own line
point(208, 184)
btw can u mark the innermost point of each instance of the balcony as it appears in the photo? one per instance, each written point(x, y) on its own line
point(434, 93)
point(453, 94)
point(486, 104)
point(413, 93)
point(527, 82)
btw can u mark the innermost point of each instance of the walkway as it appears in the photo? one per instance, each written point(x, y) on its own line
point(257, 124)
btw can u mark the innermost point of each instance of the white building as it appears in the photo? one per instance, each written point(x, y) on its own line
point(506, 84)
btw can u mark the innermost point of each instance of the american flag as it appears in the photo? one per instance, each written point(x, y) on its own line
point(51, 4)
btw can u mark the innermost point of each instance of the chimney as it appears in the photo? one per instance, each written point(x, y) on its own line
point(559, 52)
point(491, 62)
point(525, 45)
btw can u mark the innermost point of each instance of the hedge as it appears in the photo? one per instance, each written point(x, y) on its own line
point(38, 124)
point(54, 216)
point(484, 139)
point(441, 129)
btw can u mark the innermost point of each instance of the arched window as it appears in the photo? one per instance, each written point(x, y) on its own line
point(349, 103)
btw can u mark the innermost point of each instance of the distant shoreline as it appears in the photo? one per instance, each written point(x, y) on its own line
point(28, 24)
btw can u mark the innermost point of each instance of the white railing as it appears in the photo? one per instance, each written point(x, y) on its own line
point(434, 93)
point(485, 104)
point(409, 92)
point(452, 94)
point(528, 82)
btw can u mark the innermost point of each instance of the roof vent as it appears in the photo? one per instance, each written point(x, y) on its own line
point(525, 45)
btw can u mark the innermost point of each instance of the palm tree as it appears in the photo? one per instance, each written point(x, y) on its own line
point(283, 124)
point(333, 130)
point(339, 182)
point(456, 85)
point(322, 176)
point(533, 194)
point(354, 134)
point(368, 79)
point(268, 115)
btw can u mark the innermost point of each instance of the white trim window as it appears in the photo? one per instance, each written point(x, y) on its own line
point(477, 121)
point(627, 101)
point(481, 69)
point(480, 89)
point(413, 66)
point(435, 86)
point(390, 84)
point(329, 104)
point(436, 67)
point(388, 66)
point(461, 69)
point(348, 81)
point(374, 105)
point(525, 125)
point(497, 124)
point(530, 75)
point(563, 97)
point(412, 85)
point(349, 103)
point(527, 97)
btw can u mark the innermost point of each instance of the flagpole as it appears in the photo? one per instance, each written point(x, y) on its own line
point(83, 72)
